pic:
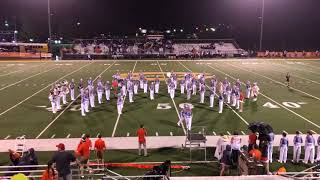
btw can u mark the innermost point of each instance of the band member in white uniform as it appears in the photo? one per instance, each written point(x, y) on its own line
point(194, 86)
point(100, 91)
point(221, 99)
point(71, 87)
point(107, 88)
point(212, 94)
point(202, 90)
point(151, 90)
point(91, 95)
point(255, 91)
point(145, 85)
point(172, 89)
point(141, 79)
point(135, 86)
point(297, 143)
point(189, 90)
point(157, 85)
point(130, 92)
point(284, 143)
point(309, 148)
point(119, 104)
point(52, 99)
point(248, 90)
point(182, 86)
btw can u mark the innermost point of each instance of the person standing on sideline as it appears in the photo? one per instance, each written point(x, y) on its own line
point(297, 143)
point(151, 90)
point(252, 140)
point(283, 147)
point(63, 159)
point(318, 149)
point(288, 79)
point(270, 146)
point(157, 84)
point(309, 148)
point(100, 148)
point(142, 133)
point(235, 146)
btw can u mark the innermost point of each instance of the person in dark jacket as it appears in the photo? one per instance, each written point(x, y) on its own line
point(226, 160)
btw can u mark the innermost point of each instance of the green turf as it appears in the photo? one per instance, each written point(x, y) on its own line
point(28, 119)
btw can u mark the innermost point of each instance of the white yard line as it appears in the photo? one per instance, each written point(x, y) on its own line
point(315, 97)
point(1, 75)
point(294, 75)
point(69, 105)
point(14, 106)
point(118, 118)
point(279, 104)
point(27, 78)
point(175, 106)
point(7, 137)
point(224, 103)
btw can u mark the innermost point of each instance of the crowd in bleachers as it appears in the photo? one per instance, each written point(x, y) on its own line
point(289, 54)
point(153, 47)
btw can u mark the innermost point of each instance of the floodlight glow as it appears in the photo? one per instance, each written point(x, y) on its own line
point(31, 40)
point(143, 31)
point(6, 24)
point(213, 29)
point(174, 30)
point(168, 31)
point(16, 32)
point(181, 30)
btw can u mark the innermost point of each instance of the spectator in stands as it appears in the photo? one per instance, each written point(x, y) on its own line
point(235, 146)
point(49, 173)
point(252, 140)
point(100, 147)
point(264, 148)
point(63, 160)
point(255, 152)
point(142, 132)
point(226, 160)
point(83, 151)
point(28, 159)
point(221, 146)
point(14, 157)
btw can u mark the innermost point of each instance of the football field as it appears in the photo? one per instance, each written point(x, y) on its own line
point(25, 107)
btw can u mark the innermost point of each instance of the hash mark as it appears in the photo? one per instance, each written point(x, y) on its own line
point(157, 134)
point(7, 137)
point(243, 133)
point(68, 136)
point(228, 133)
point(128, 134)
point(53, 136)
point(214, 133)
point(171, 134)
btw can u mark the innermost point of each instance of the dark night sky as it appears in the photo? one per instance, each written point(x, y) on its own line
point(289, 24)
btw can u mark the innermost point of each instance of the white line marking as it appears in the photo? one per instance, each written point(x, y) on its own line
point(128, 134)
point(313, 132)
point(315, 97)
point(68, 136)
point(171, 134)
point(157, 134)
point(23, 136)
point(68, 105)
point(82, 135)
point(175, 106)
point(26, 78)
point(217, 96)
point(243, 133)
point(7, 137)
point(228, 133)
point(98, 135)
point(118, 118)
point(53, 136)
point(270, 99)
point(285, 132)
point(19, 70)
point(214, 133)
point(2, 113)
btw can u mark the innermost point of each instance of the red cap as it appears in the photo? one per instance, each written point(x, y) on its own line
point(61, 146)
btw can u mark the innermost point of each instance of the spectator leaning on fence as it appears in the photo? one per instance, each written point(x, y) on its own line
point(235, 146)
point(226, 160)
point(63, 160)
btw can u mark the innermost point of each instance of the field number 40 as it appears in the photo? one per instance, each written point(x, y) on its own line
point(287, 104)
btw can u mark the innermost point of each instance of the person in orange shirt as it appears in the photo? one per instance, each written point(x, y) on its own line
point(142, 132)
point(255, 153)
point(49, 173)
point(83, 151)
point(100, 147)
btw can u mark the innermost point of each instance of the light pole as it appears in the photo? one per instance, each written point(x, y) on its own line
point(49, 24)
point(261, 26)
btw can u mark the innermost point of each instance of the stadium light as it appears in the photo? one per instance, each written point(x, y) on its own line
point(6, 24)
point(174, 30)
point(168, 31)
point(181, 30)
point(16, 32)
point(78, 23)
point(212, 29)
point(143, 31)
point(31, 40)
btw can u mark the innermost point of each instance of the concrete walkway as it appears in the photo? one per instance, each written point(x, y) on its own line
point(153, 142)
